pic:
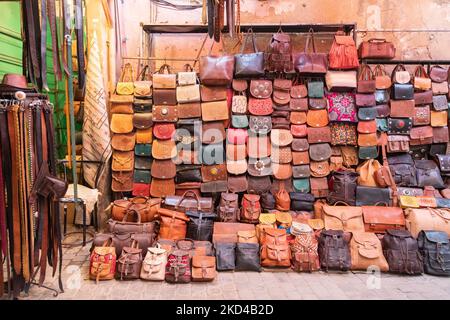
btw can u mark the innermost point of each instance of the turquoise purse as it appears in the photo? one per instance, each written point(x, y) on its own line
point(315, 89)
point(143, 150)
point(239, 121)
point(302, 185)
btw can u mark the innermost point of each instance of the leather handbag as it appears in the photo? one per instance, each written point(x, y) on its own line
point(421, 79)
point(346, 218)
point(400, 75)
point(275, 255)
point(320, 152)
point(102, 262)
point(319, 187)
point(121, 123)
point(376, 49)
point(143, 150)
point(311, 63)
point(440, 88)
point(163, 113)
point(213, 132)
point(142, 105)
point(397, 144)
point(367, 114)
point(279, 53)
point(260, 125)
point(247, 257)
point(164, 79)
point(403, 91)
point(240, 86)
point(236, 153)
point(164, 131)
point(259, 146)
point(122, 160)
point(249, 64)
point(440, 103)
point(260, 107)
point(281, 155)
point(214, 111)
point(216, 70)
point(349, 156)
point(225, 256)
point(343, 133)
point(239, 121)
point(315, 89)
point(166, 97)
point(402, 108)
point(367, 140)
point(143, 121)
point(125, 84)
point(343, 187)
point(228, 209)
point(403, 170)
point(189, 110)
point(334, 251)
point(382, 79)
point(314, 118)
point(366, 81)
point(319, 135)
point(439, 118)
point(283, 201)
point(217, 172)
point(187, 77)
point(247, 237)
point(425, 97)
point(213, 93)
point(147, 209)
point(300, 158)
point(267, 202)
point(383, 110)
point(189, 202)
point(422, 115)
point(428, 174)
point(203, 268)
point(366, 172)
point(163, 149)
point(237, 136)
point(366, 252)
point(298, 104)
point(178, 267)
point(380, 219)
point(122, 181)
point(154, 264)
point(188, 173)
point(301, 171)
point(401, 251)
point(261, 89)
point(173, 224)
point(121, 104)
point(399, 126)
point(162, 187)
point(365, 153)
point(123, 142)
point(188, 94)
point(371, 196)
point(319, 169)
point(365, 99)
point(439, 74)
point(434, 248)
point(421, 135)
point(200, 225)
point(281, 137)
point(250, 208)
point(239, 104)
point(299, 131)
point(300, 145)
point(237, 167)
point(129, 263)
point(343, 53)
point(341, 80)
point(367, 127)
point(342, 107)
point(163, 169)
point(301, 201)
point(382, 97)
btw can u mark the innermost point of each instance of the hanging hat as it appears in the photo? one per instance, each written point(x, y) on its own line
point(15, 82)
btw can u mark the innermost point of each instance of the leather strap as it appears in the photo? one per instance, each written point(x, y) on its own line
point(80, 42)
point(393, 186)
point(44, 44)
point(32, 40)
point(211, 10)
point(51, 14)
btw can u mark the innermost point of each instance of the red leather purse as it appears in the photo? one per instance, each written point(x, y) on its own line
point(260, 107)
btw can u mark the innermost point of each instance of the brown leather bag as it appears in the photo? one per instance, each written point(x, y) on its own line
point(250, 208)
point(227, 231)
point(146, 207)
point(366, 252)
point(283, 201)
point(228, 209)
point(281, 91)
point(367, 171)
point(163, 113)
point(427, 219)
point(273, 255)
point(310, 63)
point(187, 202)
point(366, 81)
point(160, 188)
point(189, 110)
point(215, 111)
point(319, 187)
point(421, 135)
point(402, 108)
point(382, 79)
point(422, 115)
point(300, 117)
point(247, 236)
point(173, 224)
point(122, 181)
point(216, 70)
point(376, 49)
point(203, 268)
point(346, 218)
point(343, 53)
point(383, 176)
point(379, 219)
point(397, 143)
point(319, 135)
point(317, 118)
point(213, 93)
point(164, 79)
point(130, 262)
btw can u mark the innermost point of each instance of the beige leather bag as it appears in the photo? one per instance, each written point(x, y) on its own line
point(366, 251)
point(154, 264)
point(427, 219)
point(188, 94)
point(346, 218)
point(367, 171)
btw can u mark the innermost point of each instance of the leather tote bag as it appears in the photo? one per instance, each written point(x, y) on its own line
point(216, 70)
point(311, 63)
point(247, 257)
point(366, 251)
point(225, 256)
point(200, 226)
point(343, 53)
point(249, 64)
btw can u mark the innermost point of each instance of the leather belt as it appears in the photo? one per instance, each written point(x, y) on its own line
point(80, 42)
point(51, 13)
point(31, 14)
point(44, 44)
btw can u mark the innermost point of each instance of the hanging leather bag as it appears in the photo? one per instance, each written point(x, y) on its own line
point(421, 79)
point(311, 63)
point(343, 53)
point(216, 70)
point(376, 49)
point(125, 84)
point(366, 81)
point(249, 64)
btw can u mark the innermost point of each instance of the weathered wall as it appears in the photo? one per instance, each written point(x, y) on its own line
point(402, 15)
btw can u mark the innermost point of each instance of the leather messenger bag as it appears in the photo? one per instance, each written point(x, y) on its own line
point(379, 219)
point(346, 218)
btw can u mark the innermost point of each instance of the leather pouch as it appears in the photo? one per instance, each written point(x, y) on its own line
point(397, 144)
point(122, 181)
point(216, 172)
point(367, 140)
point(121, 123)
point(367, 114)
point(261, 89)
point(440, 135)
point(428, 174)
point(213, 132)
point(142, 176)
point(237, 136)
point(239, 104)
point(422, 115)
point(300, 117)
point(164, 149)
point(165, 113)
point(260, 107)
point(301, 185)
point(315, 89)
point(382, 79)
point(142, 105)
point(316, 118)
point(213, 93)
point(166, 97)
point(366, 127)
point(399, 126)
point(214, 111)
point(365, 100)
point(439, 88)
point(402, 108)
point(319, 169)
point(164, 169)
point(188, 173)
point(299, 158)
point(320, 152)
point(317, 104)
point(142, 163)
point(438, 74)
point(370, 196)
point(164, 79)
point(300, 104)
point(121, 104)
point(439, 118)
point(319, 187)
point(402, 91)
point(164, 131)
point(383, 110)
point(122, 160)
point(281, 155)
point(366, 81)
point(189, 110)
point(299, 130)
point(260, 125)
point(281, 171)
point(319, 135)
point(142, 121)
point(237, 167)
point(188, 94)
point(281, 91)
point(239, 121)
point(281, 137)
point(123, 142)
point(440, 103)
point(382, 97)
point(259, 185)
point(237, 183)
point(300, 145)
point(366, 153)
point(421, 135)
point(425, 97)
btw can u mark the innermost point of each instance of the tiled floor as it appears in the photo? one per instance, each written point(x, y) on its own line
point(245, 285)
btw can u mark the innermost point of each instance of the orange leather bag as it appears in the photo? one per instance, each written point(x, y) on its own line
point(346, 218)
point(367, 172)
point(366, 251)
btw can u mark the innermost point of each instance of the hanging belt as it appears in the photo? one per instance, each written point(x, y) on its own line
point(211, 10)
point(44, 44)
point(51, 13)
point(32, 40)
point(80, 42)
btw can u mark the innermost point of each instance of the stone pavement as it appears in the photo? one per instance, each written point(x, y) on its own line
point(245, 285)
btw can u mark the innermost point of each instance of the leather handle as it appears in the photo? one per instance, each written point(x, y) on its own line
point(343, 202)
point(399, 67)
point(142, 75)
point(185, 239)
point(380, 40)
point(137, 200)
point(249, 33)
point(420, 72)
point(365, 73)
point(127, 73)
point(132, 211)
point(184, 196)
point(384, 204)
point(165, 67)
point(309, 38)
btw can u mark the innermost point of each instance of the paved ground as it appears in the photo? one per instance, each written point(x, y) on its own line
point(245, 285)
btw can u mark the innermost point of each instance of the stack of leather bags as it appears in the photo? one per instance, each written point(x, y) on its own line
point(164, 117)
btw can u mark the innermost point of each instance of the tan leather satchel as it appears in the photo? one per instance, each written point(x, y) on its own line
point(346, 218)
point(154, 264)
point(121, 123)
point(188, 94)
point(366, 251)
point(187, 77)
point(367, 171)
point(123, 160)
point(247, 236)
point(125, 84)
point(427, 219)
point(215, 111)
point(203, 268)
point(273, 255)
point(164, 79)
point(121, 104)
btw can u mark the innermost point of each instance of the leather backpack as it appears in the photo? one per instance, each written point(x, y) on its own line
point(279, 55)
point(154, 264)
point(228, 209)
point(102, 262)
point(173, 224)
point(273, 255)
point(366, 251)
point(305, 256)
point(251, 208)
point(343, 186)
point(203, 268)
point(283, 201)
point(435, 249)
point(130, 262)
point(403, 170)
point(178, 267)
point(402, 252)
point(200, 226)
point(334, 252)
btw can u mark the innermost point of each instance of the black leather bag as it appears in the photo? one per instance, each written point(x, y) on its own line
point(435, 249)
point(249, 64)
point(200, 225)
point(428, 174)
point(343, 187)
point(267, 201)
point(225, 256)
point(334, 251)
point(372, 196)
point(403, 170)
point(302, 201)
point(382, 96)
point(188, 173)
point(402, 91)
point(247, 257)
point(401, 251)
point(400, 126)
point(420, 152)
